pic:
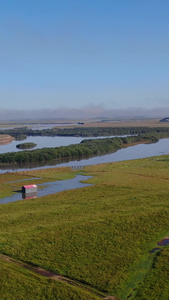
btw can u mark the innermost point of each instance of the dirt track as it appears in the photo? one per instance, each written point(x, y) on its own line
point(57, 277)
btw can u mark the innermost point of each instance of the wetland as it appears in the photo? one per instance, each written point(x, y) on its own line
point(103, 228)
point(81, 233)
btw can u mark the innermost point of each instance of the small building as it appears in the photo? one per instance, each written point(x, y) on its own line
point(29, 189)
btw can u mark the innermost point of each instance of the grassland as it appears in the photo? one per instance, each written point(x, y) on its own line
point(100, 236)
point(123, 123)
point(148, 122)
point(18, 283)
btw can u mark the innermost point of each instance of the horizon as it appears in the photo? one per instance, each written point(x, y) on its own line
point(90, 112)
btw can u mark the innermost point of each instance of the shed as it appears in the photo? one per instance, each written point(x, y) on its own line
point(27, 189)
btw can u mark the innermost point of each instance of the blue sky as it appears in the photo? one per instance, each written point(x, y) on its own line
point(84, 53)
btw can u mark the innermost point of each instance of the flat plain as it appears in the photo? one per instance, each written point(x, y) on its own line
point(98, 238)
point(96, 122)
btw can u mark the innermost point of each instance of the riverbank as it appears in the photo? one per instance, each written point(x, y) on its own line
point(87, 148)
point(5, 139)
point(45, 188)
point(127, 153)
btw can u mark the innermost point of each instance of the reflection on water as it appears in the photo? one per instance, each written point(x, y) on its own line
point(134, 152)
point(41, 142)
point(29, 195)
point(49, 188)
point(6, 142)
point(46, 141)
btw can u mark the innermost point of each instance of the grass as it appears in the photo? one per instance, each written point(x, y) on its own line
point(100, 235)
point(18, 283)
point(156, 283)
point(10, 182)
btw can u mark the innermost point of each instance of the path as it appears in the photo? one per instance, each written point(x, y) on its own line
point(57, 277)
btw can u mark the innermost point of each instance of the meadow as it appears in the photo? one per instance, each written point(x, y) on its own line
point(99, 236)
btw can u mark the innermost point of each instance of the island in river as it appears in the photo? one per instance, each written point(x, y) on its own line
point(26, 146)
point(87, 148)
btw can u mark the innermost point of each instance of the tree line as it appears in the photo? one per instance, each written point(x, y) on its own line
point(23, 132)
point(87, 148)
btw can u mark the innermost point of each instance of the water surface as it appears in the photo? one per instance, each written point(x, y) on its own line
point(133, 152)
point(46, 141)
point(51, 188)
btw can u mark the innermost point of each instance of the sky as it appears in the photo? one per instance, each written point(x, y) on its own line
point(79, 57)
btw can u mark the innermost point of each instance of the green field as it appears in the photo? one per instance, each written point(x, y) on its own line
point(99, 236)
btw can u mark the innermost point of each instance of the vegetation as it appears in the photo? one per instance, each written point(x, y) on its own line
point(84, 131)
point(87, 148)
point(20, 137)
point(18, 283)
point(11, 182)
point(100, 235)
point(26, 146)
point(156, 282)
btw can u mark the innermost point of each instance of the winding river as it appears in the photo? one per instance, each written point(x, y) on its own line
point(133, 152)
point(46, 141)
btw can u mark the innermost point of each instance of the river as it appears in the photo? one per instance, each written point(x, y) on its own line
point(37, 126)
point(134, 152)
point(49, 188)
point(46, 141)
